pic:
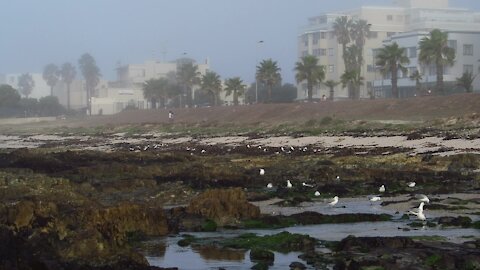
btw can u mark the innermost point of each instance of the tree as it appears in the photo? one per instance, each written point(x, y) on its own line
point(466, 81)
point(434, 50)
point(212, 84)
point(67, 74)
point(157, 90)
point(49, 106)
point(359, 32)
point(26, 84)
point(352, 80)
point(417, 77)
point(268, 73)
point(189, 76)
point(234, 85)
point(391, 59)
point(91, 74)
point(51, 76)
point(9, 97)
point(309, 70)
point(331, 85)
point(341, 28)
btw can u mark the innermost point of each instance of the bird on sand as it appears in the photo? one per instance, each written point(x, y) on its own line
point(411, 184)
point(317, 193)
point(333, 201)
point(289, 184)
point(422, 198)
point(262, 171)
point(269, 185)
point(419, 213)
point(381, 189)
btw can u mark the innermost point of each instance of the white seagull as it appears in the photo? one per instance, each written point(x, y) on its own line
point(333, 201)
point(269, 185)
point(422, 198)
point(381, 189)
point(289, 184)
point(337, 178)
point(262, 171)
point(419, 214)
point(317, 193)
point(411, 184)
point(375, 198)
point(306, 185)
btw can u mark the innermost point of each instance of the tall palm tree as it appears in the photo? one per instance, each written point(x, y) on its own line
point(417, 77)
point(26, 84)
point(91, 74)
point(466, 81)
point(341, 28)
point(309, 70)
point(67, 74)
point(434, 50)
point(352, 80)
point(51, 76)
point(268, 72)
point(235, 85)
point(391, 59)
point(212, 84)
point(331, 85)
point(359, 32)
point(189, 76)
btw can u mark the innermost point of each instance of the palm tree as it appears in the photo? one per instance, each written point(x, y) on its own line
point(234, 85)
point(331, 85)
point(157, 90)
point(26, 84)
point(68, 73)
point(417, 77)
point(212, 84)
point(359, 32)
point(189, 76)
point(268, 72)
point(352, 80)
point(91, 74)
point(434, 50)
point(309, 70)
point(51, 76)
point(341, 28)
point(391, 59)
point(466, 81)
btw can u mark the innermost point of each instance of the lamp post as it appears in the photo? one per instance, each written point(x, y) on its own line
point(256, 64)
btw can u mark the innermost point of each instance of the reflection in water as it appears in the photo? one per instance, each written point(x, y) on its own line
point(219, 254)
point(154, 249)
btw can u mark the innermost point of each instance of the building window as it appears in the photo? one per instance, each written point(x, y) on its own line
point(412, 52)
point(452, 44)
point(389, 17)
point(373, 34)
point(370, 68)
point(323, 52)
point(316, 52)
point(468, 49)
point(331, 68)
point(323, 35)
point(468, 69)
point(330, 51)
point(315, 42)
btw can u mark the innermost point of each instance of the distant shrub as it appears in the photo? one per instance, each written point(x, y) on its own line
point(327, 120)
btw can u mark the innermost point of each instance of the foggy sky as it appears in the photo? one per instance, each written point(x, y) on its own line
point(34, 33)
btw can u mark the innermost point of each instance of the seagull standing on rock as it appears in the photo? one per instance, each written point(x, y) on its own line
point(289, 184)
point(262, 171)
point(317, 193)
point(333, 201)
point(411, 184)
point(419, 213)
point(381, 189)
point(269, 185)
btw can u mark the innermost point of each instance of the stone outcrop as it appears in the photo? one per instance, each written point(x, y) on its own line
point(224, 206)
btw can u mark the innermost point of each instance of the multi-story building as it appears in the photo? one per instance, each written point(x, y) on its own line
point(405, 23)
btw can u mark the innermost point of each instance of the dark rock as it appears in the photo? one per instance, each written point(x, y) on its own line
point(257, 254)
point(297, 266)
point(460, 221)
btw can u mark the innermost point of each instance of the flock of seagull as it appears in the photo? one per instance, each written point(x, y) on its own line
point(333, 201)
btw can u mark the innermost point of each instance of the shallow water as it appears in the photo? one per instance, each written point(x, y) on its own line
point(189, 258)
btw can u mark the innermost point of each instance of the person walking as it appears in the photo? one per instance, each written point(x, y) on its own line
point(170, 116)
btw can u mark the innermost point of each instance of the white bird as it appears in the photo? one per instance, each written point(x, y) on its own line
point(292, 148)
point(248, 145)
point(269, 185)
point(306, 185)
point(375, 198)
point(203, 151)
point(317, 193)
point(333, 201)
point(419, 214)
point(422, 198)
point(262, 171)
point(289, 184)
point(381, 189)
point(337, 178)
point(282, 148)
point(411, 184)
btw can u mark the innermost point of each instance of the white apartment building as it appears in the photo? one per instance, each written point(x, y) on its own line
point(397, 23)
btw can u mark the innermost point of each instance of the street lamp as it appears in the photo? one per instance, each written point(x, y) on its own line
point(256, 64)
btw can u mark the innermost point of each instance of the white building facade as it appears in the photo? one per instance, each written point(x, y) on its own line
point(405, 23)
